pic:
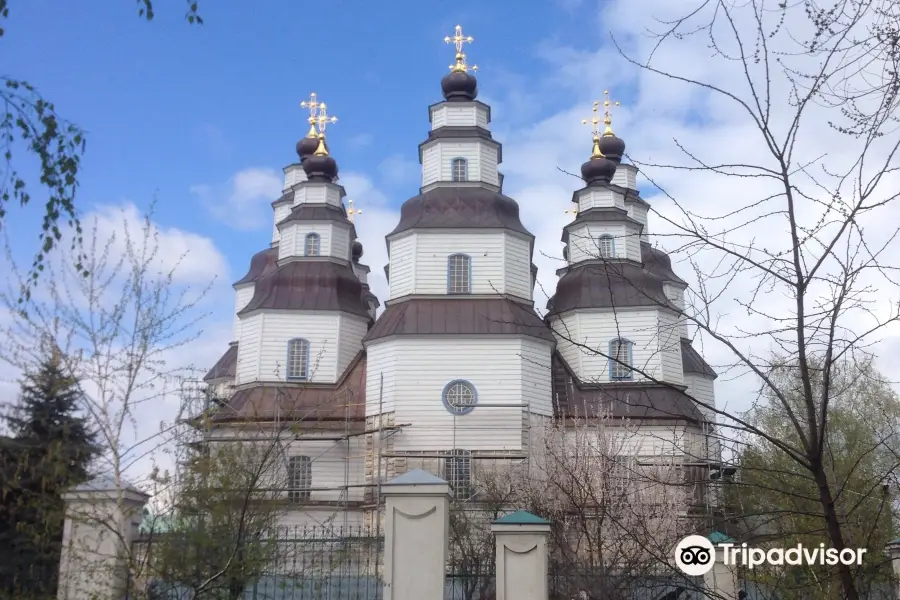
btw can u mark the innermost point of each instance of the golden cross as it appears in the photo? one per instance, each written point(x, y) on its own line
point(313, 106)
point(323, 119)
point(352, 212)
point(607, 118)
point(594, 120)
point(458, 40)
point(595, 130)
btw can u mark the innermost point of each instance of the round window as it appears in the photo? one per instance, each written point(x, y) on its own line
point(460, 397)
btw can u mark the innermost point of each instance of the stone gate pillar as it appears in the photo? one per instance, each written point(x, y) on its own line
point(416, 536)
point(522, 556)
point(101, 523)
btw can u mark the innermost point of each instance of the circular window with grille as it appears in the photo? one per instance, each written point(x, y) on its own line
point(460, 397)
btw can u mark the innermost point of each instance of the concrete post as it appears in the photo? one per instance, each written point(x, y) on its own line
point(101, 523)
point(416, 536)
point(722, 579)
point(522, 556)
point(893, 552)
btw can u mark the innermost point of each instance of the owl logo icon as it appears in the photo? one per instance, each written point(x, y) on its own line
point(695, 555)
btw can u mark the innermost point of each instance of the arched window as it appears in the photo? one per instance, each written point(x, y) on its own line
point(459, 169)
point(620, 359)
point(298, 359)
point(459, 274)
point(312, 244)
point(299, 478)
point(459, 397)
point(606, 244)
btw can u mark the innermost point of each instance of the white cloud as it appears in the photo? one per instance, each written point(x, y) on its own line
point(376, 221)
point(655, 112)
point(193, 258)
point(156, 397)
point(243, 202)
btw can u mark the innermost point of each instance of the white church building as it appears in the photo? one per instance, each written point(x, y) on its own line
point(458, 370)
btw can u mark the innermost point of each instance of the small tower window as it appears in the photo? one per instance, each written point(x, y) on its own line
point(298, 359)
point(458, 473)
point(459, 274)
point(620, 359)
point(299, 478)
point(460, 397)
point(459, 169)
point(312, 244)
point(607, 246)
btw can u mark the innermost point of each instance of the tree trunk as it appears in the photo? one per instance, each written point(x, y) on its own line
point(833, 523)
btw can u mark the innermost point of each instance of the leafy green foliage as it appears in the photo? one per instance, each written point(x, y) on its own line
point(218, 533)
point(49, 451)
point(30, 122)
point(779, 503)
point(59, 146)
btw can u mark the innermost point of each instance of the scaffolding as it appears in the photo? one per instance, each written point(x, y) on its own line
point(197, 399)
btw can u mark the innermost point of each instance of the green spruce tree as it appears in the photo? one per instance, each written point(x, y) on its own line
point(49, 449)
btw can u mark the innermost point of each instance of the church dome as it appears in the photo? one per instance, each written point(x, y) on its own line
point(357, 251)
point(598, 169)
point(306, 147)
point(320, 166)
point(612, 147)
point(459, 85)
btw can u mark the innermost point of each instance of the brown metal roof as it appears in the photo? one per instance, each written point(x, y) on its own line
point(692, 361)
point(225, 366)
point(659, 263)
point(459, 316)
point(616, 283)
point(309, 285)
point(312, 404)
point(288, 195)
point(461, 207)
point(607, 284)
point(636, 400)
point(261, 264)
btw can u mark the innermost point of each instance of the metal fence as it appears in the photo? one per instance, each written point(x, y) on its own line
point(347, 563)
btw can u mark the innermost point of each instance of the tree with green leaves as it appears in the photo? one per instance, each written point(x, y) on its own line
point(214, 533)
point(777, 502)
point(50, 450)
point(31, 123)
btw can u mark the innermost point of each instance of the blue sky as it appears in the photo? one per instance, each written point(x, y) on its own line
point(191, 114)
point(168, 106)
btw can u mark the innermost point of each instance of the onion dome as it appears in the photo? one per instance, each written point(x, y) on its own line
point(598, 168)
point(320, 166)
point(306, 147)
point(459, 85)
point(612, 147)
point(357, 251)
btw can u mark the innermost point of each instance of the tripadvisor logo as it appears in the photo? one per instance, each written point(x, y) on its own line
point(695, 555)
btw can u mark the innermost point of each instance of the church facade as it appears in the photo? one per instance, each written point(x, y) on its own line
point(458, 371)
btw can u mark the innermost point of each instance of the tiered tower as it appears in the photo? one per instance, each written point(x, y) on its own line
point(456, 356)
point(302, 309)
point(618, 314)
